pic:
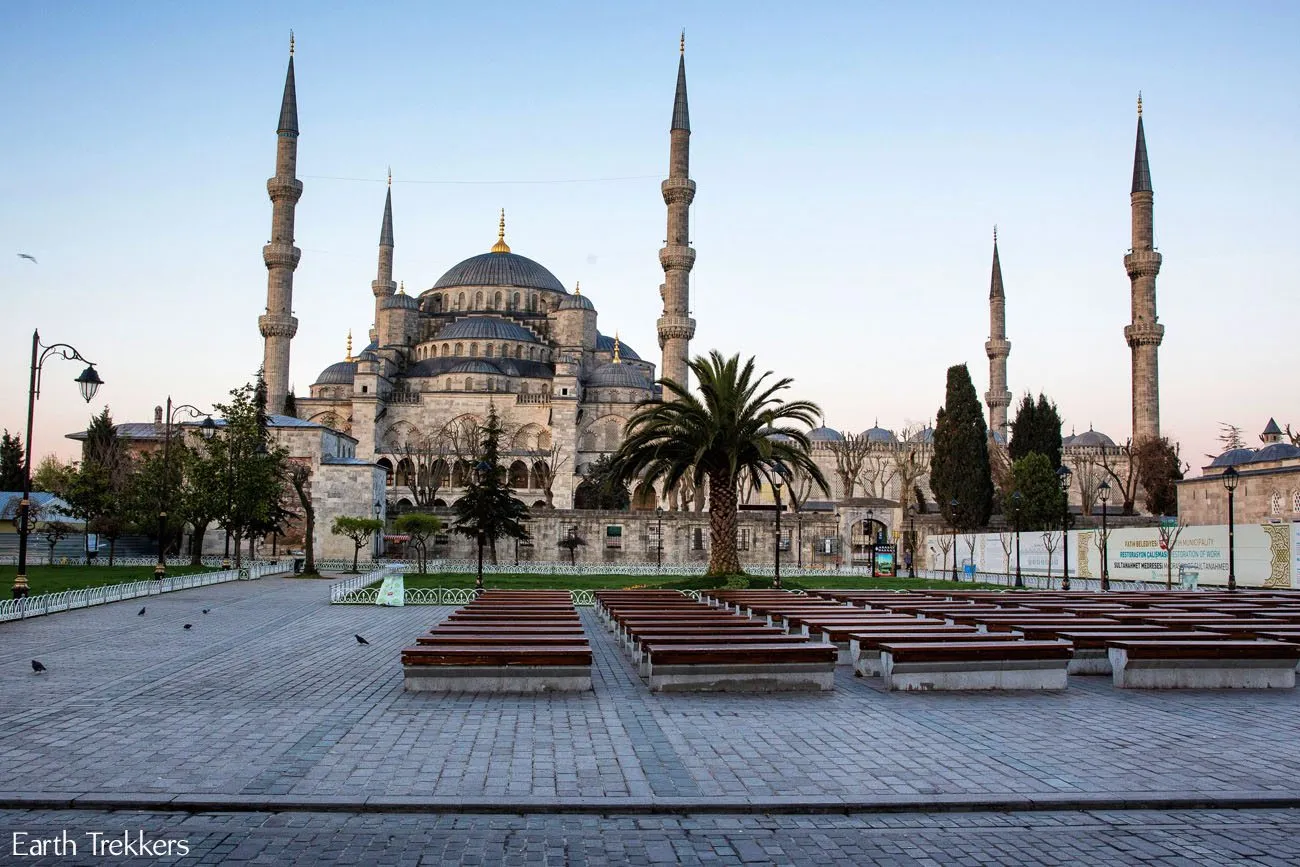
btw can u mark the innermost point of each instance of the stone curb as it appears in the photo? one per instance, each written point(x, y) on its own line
point(788, 804)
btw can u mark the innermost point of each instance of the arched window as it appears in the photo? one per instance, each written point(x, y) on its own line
point(478, 300)
point(441, 473)
point(514, 304)
point(539, 475)
point(496, 301)
point(1275, 503)
point(388, 470)
point(446, 350)
point(532, 353)
point(1295, 501)
point(518, 475)
point(460, 349)
point(469, 383)
point(518, 351)
point(487, 350)
point(473, 350)
point(460, 301)
point(405, 470)
point(436, 304)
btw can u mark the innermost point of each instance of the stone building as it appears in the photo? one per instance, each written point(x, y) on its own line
point(1268, 484)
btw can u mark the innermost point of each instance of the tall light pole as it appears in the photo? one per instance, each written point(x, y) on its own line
point(208, 428)
point(1230, 478)
point(953, 506)
point(1103, 494)
point(871, 542)
point(379, 533)
point(776, 573)
point(659, 540)
point(911, 545)
point(88, 383)
point(1063, 474)
point(480, 472)
point(1016, 500)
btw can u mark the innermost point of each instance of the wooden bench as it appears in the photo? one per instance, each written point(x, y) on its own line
point(734, 667)
point(971, 665)
point(864, 647)
point(1203, 664)
point(646, 644)
point(1092, 647)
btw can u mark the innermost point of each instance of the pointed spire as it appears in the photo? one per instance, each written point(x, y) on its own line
point(617, 358)
point(1141, 168)
point(386, 230)
point(501, 246)
point(349, 357)
point(995, 283)
point(577, 287)
point(681, 116)
point(289, 105)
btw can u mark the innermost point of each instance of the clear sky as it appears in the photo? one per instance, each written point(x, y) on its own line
point(852, 159)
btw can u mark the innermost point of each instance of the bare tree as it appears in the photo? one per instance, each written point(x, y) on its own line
point(429, 468)
point(911, 463)
point(1230, 436)
point(1101, 539)
point(1050, 542)
point(1088, 475)
point(945, 545)
point(1169, 534)
point(1007, 540)
point(298, 472)
point(878, 471)
point(969, 539)
point(1294, 436)
point(849, 453)
point(552, 460)
point(1122, 466)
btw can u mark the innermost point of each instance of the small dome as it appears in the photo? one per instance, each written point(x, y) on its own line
point(605, 343)
point(476, 366)
point(403, 302)
point(1067, 441)
point(500, 269)
point(825, 434)
point(924, 435)
point(878, 434)
point(576, 302)
point(1276, 452)
point(1091, 439)
point(1232, 457)
point(613, 375)
point(485, 328)
point(338, 373)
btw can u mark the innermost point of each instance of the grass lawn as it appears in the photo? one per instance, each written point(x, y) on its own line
point(51, 579)
point(678, 582)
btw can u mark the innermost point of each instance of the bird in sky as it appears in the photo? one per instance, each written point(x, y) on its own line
point(206, 610)
point(140, 613)
point(37, 667)
point(29, 257)
point(189, 625)
point(361, 640)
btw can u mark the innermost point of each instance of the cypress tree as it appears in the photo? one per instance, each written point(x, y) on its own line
point(1036, 429)
point(960, 468)
point(11, 463)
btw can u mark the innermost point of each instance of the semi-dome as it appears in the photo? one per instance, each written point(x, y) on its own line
point(605, 343)
point(500, 269)
point(338, 373)
point(825, 434)
point(475, 365)
point(401, 302)
point(878, 434)
point(616, 375)
point(1092, 439)
point(485, 328)
point(577, 302)
point(1276, 452)
point(1232, 457)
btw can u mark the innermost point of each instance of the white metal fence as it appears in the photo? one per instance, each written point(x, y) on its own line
point(84, 597)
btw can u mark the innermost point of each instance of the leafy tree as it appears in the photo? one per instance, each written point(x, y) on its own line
point(98, 493)
point(489, 507)
point(600, 488)
point(735, 428)
point(1036, 428)
point(571, 544)
point(11, 463)
point(421, 527)
point(205, 478)
point(54, 531)
point(1159, 469)
point(960, 467)
point(111, 527)
point(1041, 500)
point(53, 476)
point(155, 487)
point(1230, 436)
point(359, 530)
point(255, 481)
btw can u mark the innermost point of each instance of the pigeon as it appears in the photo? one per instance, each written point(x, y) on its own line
point(189, 625)
point(361, 640)
point(140, 613)
point(29, 257)
point(206, 610)
point(37, 667)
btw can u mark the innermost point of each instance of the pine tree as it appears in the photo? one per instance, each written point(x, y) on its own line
point(11, 463)
point(489, 507)
point(960, 467)
point(1036, 429)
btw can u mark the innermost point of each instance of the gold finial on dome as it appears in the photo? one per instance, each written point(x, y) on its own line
point(402, 290)
point(577, 287)
point(291, 43)
point(617, 359)
point(501, 246)
point(1139, 103)
point(349, 355)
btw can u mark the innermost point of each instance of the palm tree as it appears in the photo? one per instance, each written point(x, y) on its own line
point(733, 430)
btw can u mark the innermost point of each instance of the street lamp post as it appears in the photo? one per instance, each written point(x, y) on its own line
point(871, 542)
point(208, 428)
point(776, 573)
point(798, 517)
point(1016, 500)
point(659, 540)
point(911, 545)
point(1103, 494)
point(379, 534)
point(88, 383)
point(1063, 474)
point(1230, 479)
point(953, 506)
point(481, 471)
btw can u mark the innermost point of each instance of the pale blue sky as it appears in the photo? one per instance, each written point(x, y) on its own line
point(851, 159)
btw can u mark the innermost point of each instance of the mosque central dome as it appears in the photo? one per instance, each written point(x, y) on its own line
point(500, 269)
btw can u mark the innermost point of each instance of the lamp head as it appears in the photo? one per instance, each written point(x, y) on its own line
point(208, 428)
point(1063, 476)
point(1230, 478)
point(1103, 492)
point(89, 383)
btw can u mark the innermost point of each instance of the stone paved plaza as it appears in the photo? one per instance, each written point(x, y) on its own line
point(266, 730)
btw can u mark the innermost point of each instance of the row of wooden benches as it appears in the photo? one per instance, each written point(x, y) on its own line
point(679, 644)
point(503, 641)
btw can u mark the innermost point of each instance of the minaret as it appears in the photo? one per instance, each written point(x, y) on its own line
point(676, 327)
point(278, 324)
point(998, 348)
point(1145, 332)
point(383, 285)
